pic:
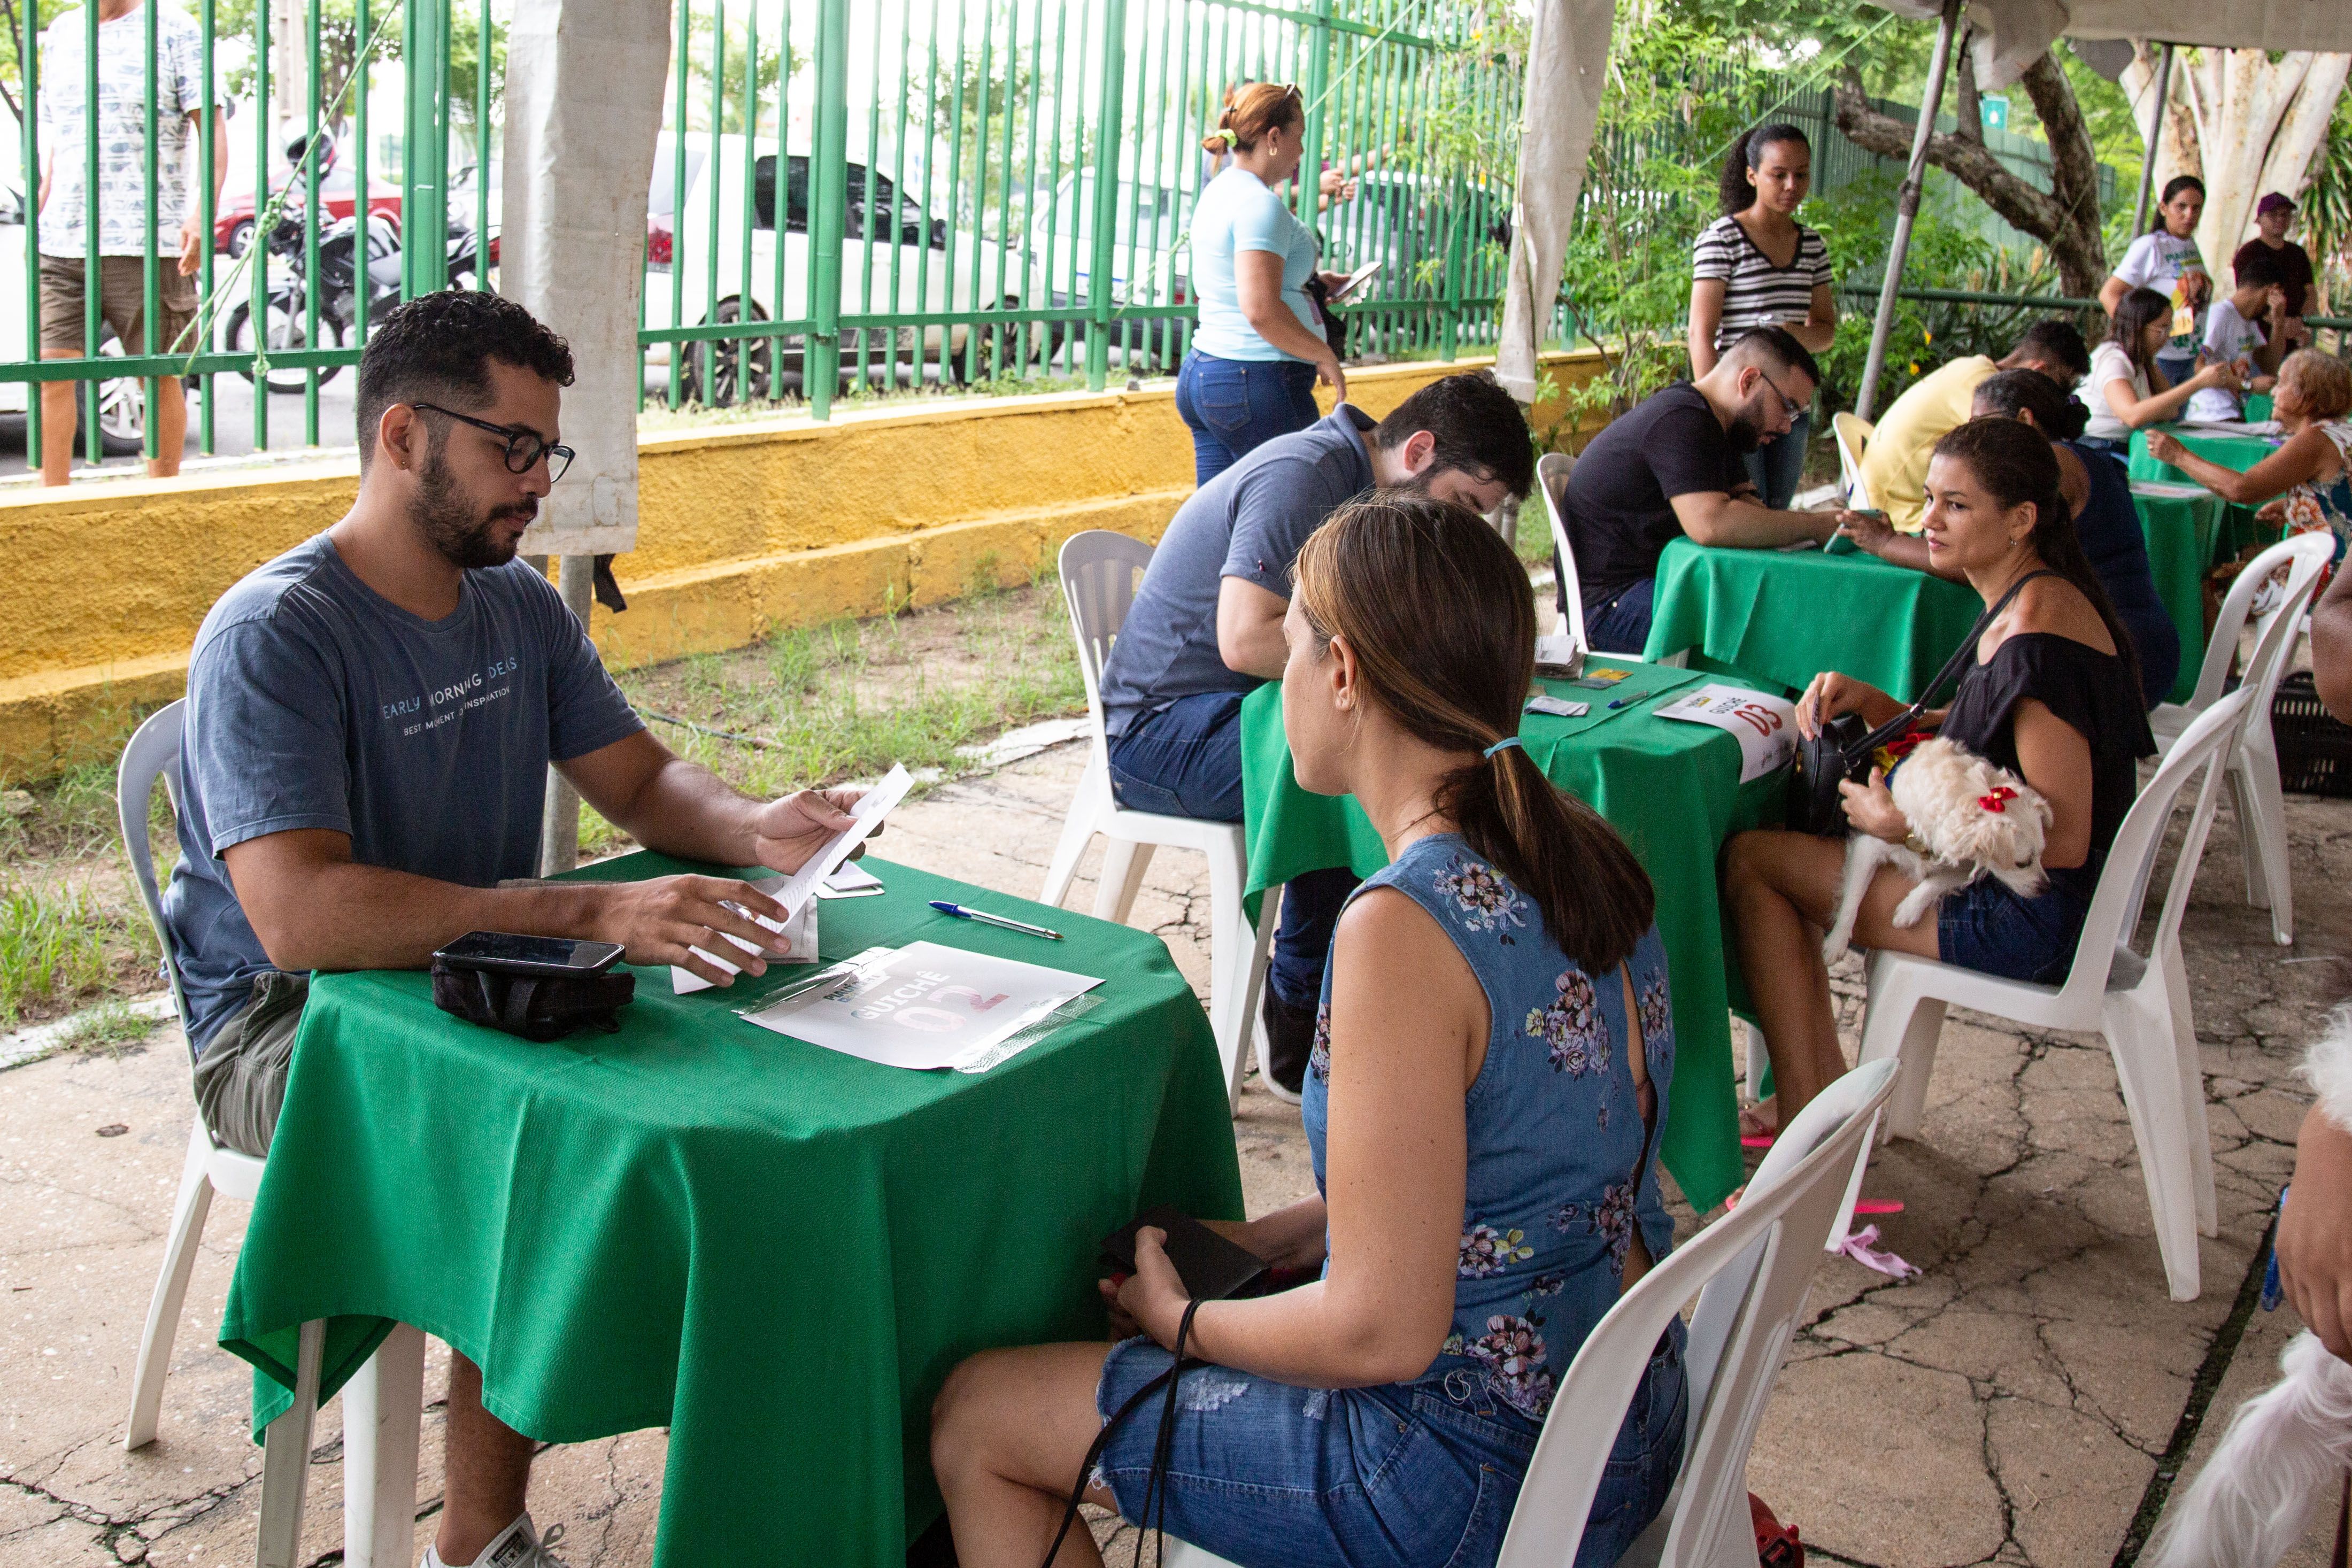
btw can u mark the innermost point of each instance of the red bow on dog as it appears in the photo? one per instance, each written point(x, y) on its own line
point(1999, 799)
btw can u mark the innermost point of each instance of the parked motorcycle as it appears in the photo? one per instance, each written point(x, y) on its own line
point(286, 303)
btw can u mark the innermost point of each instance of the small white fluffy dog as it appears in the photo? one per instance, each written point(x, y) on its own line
point(2287, 1449)
point(1975, 820)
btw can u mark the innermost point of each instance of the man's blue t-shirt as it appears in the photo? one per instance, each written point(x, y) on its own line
point(314, 702)
point(1247, 522)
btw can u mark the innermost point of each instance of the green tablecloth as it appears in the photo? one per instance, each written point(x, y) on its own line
point(2184, 525)
point(1781, 617)
point(2238, 452)
point(775, 1250)
point(1673, 789)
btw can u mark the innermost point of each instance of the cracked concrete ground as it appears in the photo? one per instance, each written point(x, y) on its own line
point(2013, 1404)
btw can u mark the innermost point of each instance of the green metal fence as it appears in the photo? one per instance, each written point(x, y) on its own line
point(872, 197)
point(992, 190)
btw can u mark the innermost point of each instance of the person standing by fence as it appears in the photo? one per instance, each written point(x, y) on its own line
point(1259, 349)
point(1756, 265)
point(119, 123)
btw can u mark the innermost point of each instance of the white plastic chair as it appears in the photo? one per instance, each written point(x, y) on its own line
point(1852, 432)
point(2139, 1001)
point(1553, 470)
point(2254, 771)
point(1099, 570)
point(1752, 1271)
point(383, 1403)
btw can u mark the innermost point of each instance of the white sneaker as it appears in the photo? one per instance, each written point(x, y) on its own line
point(516, 1546)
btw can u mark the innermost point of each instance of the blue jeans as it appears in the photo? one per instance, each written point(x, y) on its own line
point(1399, 1476)
point(1623, 624)
point(2176, 365)
point(1186, 761)
point(1235, 405)
point(1778, 467)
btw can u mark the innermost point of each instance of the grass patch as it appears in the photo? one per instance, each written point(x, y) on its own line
point(109, 1027)
point(56, 946)
point(822, 705)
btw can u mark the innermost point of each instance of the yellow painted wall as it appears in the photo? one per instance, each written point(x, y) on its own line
point(745, 528)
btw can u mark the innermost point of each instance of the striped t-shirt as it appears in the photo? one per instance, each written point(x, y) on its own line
point(1754, 292)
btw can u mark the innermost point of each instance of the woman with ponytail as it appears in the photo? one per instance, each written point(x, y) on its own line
point(1756, 265)
point(1259, 347)
point(2051, 695)
point(1492, 1057)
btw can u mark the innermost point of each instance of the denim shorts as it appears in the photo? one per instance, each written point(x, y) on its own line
point(1988, 928)
point(1265, 1475)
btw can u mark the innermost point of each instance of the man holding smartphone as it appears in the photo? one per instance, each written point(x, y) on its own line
point(370, 720)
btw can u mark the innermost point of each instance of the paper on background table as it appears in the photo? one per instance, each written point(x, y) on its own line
point(2169, 488)
point(1765, 726)
point(925, 1006)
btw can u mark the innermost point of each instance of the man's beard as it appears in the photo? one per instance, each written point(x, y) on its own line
point(1745, 432)
point(464, 538)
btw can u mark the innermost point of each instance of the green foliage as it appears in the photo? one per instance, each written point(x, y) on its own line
point(768, 74)
point(983, 104)
point(108, 1026)
point(1677, 94)
point(1944, 255)
point(2327, 209)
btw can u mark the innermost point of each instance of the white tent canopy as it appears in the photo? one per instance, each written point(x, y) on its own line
point(1567, 62)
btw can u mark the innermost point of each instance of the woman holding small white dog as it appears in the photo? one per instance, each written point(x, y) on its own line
point(2051, 696)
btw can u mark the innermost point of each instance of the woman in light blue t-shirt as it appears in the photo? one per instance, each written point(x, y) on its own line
point(1259, 347)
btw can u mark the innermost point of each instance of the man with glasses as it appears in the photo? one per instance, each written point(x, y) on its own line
point(370, 721)
point(1672, 466)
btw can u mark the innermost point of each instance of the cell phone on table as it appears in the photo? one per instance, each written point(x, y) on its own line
point(508, 953)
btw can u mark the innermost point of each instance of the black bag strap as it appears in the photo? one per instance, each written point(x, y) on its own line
point(1951, 670)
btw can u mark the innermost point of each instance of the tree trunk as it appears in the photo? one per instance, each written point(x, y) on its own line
point(2243, 123)
point(2065, 217)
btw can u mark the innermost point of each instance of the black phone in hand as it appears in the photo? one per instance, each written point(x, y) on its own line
point(1211, 1267)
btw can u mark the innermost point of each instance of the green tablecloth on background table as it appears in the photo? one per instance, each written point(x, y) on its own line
point(1671, 788)
point(775, 1250)
point(1781, 617)
point(2184, 525)
point(2230, 451)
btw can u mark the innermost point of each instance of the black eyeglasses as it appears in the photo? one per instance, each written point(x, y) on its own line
point(524, 447)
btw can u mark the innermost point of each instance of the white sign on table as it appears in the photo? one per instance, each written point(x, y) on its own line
point(924, 1006)
point(1765, 726)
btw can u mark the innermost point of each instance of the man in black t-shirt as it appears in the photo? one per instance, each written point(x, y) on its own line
point(1673, 466)
point(2273, 215)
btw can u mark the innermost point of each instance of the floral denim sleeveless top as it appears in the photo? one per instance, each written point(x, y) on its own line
point(1555, 1130)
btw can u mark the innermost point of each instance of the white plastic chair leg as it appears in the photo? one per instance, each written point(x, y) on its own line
point(1230, 940)
point(1900, 1023)
point(1124, 864)
point(383, 1410)
point(1845, 1226)
point(2147, 1071)
point(1760, 1060)
point(2261, 806)
point(1249, 988)
point(286, 1457)
point(188, 1212)
point(1078, 828)
point(2179, 1021)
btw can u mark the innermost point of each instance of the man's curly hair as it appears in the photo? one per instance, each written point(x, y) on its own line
point(437, 348)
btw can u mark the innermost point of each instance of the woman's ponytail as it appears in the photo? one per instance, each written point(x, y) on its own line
point(1438, 613)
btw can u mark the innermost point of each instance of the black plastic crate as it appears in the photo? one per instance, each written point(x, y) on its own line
point(2315, 750)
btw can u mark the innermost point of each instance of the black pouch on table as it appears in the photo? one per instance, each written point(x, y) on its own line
point(535, 1007)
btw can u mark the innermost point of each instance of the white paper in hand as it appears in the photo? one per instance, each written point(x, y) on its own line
point(797, 892)
point(799, 931)
point(1766, 727)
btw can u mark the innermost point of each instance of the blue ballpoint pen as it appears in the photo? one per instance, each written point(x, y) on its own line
point(963, 913)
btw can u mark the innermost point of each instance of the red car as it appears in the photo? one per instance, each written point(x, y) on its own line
point(233, 222)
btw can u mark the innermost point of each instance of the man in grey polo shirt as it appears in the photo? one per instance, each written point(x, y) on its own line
point(1206, 629)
